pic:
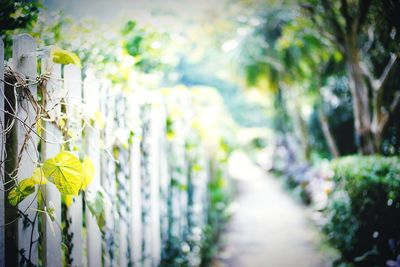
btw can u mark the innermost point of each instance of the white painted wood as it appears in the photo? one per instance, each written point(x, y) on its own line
point(146, 185)
point(53, 136)
point(108, 175)
point(135, 197)
point(176, 169)
point(73, 88)
point(186, 124)
point(91, 92)
point(24, 62)
point(155, 130)
point(165, 180)
point(2, 149)
point(122, 175)
point(181, 194)
point(123, 208)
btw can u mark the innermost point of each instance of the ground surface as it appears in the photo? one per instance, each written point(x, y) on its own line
point(268, 227)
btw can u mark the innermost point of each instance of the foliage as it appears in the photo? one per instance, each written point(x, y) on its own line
point(88, 172)
point(97, 202)
point(21, 191)
point(364, 210)
point(64, 170)
point(360, 32)
point(125, 59)
point(218, 215)
point(337, 105)
point(64, 57)
point(14, 15)
point(201, 126)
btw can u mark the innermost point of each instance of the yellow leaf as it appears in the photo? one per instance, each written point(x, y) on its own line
point(68, 200)
point(65, 57)
point(65, 171)
point(197, 168)
point(23, 189)
point(61, 123)
point(99, 119)
point(38, 177)
point(88, 172)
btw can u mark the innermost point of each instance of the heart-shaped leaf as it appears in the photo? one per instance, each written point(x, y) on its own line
point(65, 171)
point(39, 177)
point(65, 57)
point(23, 189)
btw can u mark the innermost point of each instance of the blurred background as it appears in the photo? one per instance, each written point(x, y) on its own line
point(301, 97)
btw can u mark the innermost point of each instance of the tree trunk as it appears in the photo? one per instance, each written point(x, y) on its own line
point(303, 134)
point(361, 102)
point(328, 134)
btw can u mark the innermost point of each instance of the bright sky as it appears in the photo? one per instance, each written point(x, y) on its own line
point(167, 11)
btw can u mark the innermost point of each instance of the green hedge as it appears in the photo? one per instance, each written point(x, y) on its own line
point(363, 214)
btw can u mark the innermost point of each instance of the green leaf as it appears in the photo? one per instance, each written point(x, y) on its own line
point(50, 212)
point(183, 187)
point(96, 200)
point(88, 172)
point(39, 177)
point(65, 171)
point(65, 57)
point(23, 189)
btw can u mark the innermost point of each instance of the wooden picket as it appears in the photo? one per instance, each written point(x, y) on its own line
point(73, 99)
point(155, 122)
point(135, 227)
point(154, 194)
point(91, 91)
point(146, 185)
point(25, 63)
point(108, 176)
point(122, 174)
point(165, 182)
point(52, 137)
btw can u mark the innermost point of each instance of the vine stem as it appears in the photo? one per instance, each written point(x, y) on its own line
point(33, 228)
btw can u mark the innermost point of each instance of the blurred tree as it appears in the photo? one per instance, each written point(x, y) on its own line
point(16, 15)
point(285, 56)
point(364, 31)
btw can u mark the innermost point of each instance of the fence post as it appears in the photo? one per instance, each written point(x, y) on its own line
point(135, 192)
point(122, 174)
point(26, 235)
point(73, 86)
point(91, 92)
point(165, 180)
point(155, 131)
point(145, 169)
point(2, 149)
point(53, 137)
point(108, 175)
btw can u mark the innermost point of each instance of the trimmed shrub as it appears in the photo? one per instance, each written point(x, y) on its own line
point(363, 212)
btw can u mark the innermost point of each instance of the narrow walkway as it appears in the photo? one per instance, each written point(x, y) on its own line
point(268, 228)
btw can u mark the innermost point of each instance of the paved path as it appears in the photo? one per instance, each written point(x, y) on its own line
point(268, 228)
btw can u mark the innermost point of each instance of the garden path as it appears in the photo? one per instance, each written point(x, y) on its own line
point(268, 228)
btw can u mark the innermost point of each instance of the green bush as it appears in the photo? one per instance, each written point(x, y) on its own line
point(363, 214)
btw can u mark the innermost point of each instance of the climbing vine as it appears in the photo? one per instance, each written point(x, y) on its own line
point(69, 173)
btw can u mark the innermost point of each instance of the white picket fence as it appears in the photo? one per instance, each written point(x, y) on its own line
point(155, 196)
